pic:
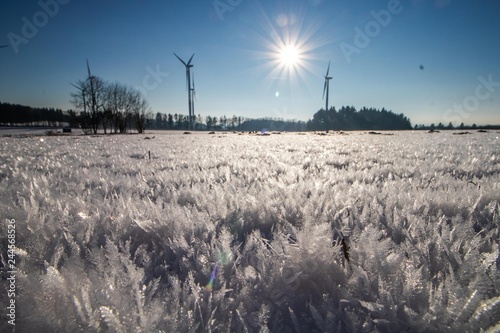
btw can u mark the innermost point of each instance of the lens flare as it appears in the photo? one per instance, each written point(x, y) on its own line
point(210, 285)
point(223, 258)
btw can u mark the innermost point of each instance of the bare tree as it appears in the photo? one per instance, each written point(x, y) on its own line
point(80, 100)
point(106, 120)
point(90, 100)
point(97, 89)
point(136, 113)
point(142, 112)
point(117, 103)
point(109, 105)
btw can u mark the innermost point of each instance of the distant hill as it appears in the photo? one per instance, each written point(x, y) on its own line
point(348, 118)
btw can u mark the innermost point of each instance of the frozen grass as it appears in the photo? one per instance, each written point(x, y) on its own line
point(353, 233)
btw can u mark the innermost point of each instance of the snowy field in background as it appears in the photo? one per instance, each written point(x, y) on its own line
point(33, 131)
point(244, 233)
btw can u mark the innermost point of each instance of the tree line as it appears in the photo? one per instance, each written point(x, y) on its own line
point(109, 106)
point(273, 124)
point(21, 115)
point(450, 126)
point(115, 108)
point(116, 116)
point(224, 123)
point(181, 122)
point(348, 118)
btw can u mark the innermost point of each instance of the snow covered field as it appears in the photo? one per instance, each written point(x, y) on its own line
point(244, 233)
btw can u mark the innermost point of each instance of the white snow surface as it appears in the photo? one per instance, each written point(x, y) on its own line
point(309, 233)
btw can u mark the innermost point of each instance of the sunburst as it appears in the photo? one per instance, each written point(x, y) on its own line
point(290, 56)
point(289, 49)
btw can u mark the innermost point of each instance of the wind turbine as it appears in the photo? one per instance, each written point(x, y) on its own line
point(90, 77)
point(83, 89)
point(189, 89)
point(193, 97)
point(327, 85)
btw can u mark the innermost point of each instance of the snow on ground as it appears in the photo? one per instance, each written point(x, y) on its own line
point(245, 233)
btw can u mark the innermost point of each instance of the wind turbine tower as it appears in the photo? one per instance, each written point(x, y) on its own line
point(189, 89)
point(193, 98)
point(326, 89)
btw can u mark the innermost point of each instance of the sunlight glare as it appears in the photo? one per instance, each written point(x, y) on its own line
point(290, 55)
point(288, 49)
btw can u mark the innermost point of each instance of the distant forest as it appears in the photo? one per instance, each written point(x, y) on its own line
point(19, 115)
point(348, 118)
point(234, 123)
point(462, 126)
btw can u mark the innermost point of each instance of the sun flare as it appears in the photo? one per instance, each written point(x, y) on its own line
point(289, 55)
point(286, 50)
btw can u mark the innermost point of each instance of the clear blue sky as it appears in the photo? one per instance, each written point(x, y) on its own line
point(237, 64)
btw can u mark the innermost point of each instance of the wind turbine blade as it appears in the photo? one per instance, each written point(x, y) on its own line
point(2, 46)
point(189, 62)
point(88, 68)
point(328, 70)
point(187, 80)
point(80, 88)
point(180, 59)
point(74, 85)
point(324, 89)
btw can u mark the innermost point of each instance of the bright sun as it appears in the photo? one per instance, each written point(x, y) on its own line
point(289, 56)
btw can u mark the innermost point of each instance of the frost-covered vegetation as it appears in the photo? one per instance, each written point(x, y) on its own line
point(300, 233)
